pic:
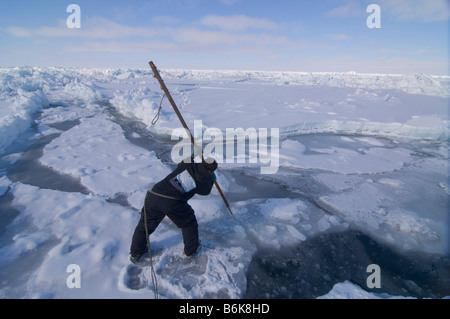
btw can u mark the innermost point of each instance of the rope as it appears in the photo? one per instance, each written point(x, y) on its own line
point(154, 280)
point(156, 118)
point(163, 196)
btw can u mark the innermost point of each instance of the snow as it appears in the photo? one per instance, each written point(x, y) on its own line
point(88, 235)
point(16, 112)
point(274, 223)
point(372, 160)
point(96, 152)
point(348, 290)
point(368, 207)
point(4, 183)
point(356, 150)
point(353, 102)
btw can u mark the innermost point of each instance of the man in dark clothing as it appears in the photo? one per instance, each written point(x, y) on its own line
point(169, 198)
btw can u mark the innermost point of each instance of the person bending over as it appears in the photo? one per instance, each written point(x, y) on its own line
point(169, 197)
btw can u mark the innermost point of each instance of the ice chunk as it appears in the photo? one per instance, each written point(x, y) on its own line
point(88, 232)
point(372, 209)
point(349, 290)
point(4, 184)
point(16, 113)
point(22, 243)
point(343, 160)
point(323, 224)
point(295, 233)
point(97, 152)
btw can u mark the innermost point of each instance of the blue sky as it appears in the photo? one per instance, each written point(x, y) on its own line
point(281, 35)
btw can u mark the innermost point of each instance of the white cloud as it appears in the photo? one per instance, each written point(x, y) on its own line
point(421, 10)
point(390, 51)
point(98, 28)
point(350, 8)
point(223, 38)
point(388, 65)
point(103, 35)
point(60, 31)
point(94, 28)
point(238, 23)
point(19, 32)
point(427, 51)
point(120, 46)
point(338, 36)
point(191, 40)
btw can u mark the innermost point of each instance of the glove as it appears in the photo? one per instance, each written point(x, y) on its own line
point(213, 177)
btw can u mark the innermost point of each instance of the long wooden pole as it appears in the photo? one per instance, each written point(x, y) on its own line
point(180, 117)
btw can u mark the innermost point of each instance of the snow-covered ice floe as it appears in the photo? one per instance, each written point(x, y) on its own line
point(348, 290)
point(299, 103)
point(97, 152)
point(379, 165)
point(295, 102)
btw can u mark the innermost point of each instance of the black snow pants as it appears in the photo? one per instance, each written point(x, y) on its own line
point(178, 211)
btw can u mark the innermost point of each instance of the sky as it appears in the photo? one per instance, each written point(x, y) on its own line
point(265, 35)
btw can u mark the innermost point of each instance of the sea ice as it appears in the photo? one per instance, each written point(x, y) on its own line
point(97, 152)
point(357, 180)
point(349, 290)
